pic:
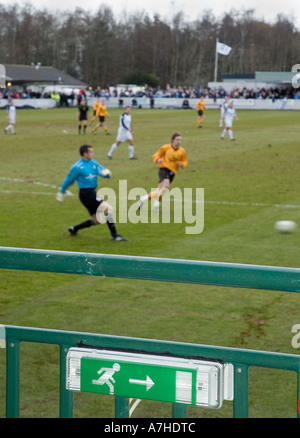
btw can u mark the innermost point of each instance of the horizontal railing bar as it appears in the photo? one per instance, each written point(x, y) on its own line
point(148, 346)
point(150, 268)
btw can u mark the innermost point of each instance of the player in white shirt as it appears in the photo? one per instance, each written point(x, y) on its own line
point(223, 108)
point(11, 115)
point(229, 116)
point(283, 103)
point(125, 133)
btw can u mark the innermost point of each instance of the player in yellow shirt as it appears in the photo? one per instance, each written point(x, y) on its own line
point(170, 158)
point(101, 113)
point(200, 108)
point(95, 108)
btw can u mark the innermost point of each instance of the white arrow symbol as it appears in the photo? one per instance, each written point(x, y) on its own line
point(148, 382)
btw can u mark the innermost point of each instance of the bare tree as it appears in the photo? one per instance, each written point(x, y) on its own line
point(101, 50)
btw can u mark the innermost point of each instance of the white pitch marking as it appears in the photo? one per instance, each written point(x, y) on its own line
point(3, 178)
point(68, 193)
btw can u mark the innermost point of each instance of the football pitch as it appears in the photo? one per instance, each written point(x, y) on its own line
point(249, 184)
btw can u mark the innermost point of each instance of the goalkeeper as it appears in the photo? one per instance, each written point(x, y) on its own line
point(85, 171)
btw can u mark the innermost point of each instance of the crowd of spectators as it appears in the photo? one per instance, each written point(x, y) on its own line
point(196, 93)
point(15, 94)
point(213, 93)
point(260, 93)
point(167, 92)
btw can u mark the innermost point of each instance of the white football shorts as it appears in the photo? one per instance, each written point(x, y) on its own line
point(124, 135)
point(228, 123)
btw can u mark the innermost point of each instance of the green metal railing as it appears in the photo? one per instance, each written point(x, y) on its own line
point(241, 359)
point(171, 270)
point(148, 268)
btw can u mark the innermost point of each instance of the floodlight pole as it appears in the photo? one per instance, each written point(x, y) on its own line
point(216, 61)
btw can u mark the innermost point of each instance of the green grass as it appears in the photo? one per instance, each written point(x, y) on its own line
point(249, 184)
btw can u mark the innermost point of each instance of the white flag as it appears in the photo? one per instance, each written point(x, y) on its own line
point(223, 49)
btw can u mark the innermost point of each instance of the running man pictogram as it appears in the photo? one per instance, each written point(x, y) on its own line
point(107, 377)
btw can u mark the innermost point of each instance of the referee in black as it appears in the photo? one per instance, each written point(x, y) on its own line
point(83, 110)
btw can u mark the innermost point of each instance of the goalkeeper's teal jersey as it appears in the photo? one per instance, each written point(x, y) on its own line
point(85, 172)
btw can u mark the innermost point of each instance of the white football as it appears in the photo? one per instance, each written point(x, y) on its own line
point(106, 172)
point(285, 226)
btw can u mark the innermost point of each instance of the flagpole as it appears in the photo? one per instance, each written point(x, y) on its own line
point(216, 61)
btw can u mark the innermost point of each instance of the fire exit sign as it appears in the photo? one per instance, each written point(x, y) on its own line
point(149, 377)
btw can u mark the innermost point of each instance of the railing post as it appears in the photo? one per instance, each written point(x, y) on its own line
point(66, 397)
point(12, 379)
point(179, 411)
point(298, 392)
point(241, 391)
point(122, 407)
